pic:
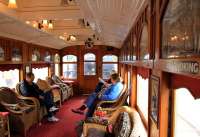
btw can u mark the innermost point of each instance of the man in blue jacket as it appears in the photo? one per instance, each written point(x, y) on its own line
point(110, 93)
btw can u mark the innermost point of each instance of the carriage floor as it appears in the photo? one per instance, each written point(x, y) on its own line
point(65, 127)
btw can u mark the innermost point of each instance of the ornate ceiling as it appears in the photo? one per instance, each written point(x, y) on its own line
point(109, 20)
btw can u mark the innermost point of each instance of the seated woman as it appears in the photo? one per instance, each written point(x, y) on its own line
point(110, 93)
point(30, 89)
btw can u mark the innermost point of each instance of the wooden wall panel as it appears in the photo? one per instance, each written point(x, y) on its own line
point(26, 50)
point(187, 67)
point(87, 84)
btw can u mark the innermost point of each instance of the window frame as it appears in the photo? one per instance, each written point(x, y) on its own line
point(74, 62)
point(109, 62)
point(89, 61)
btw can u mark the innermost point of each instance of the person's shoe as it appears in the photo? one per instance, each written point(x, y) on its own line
point(52, 109)
point(78, 111)
point(53, 119)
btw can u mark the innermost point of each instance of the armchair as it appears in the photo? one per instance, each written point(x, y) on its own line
point(23, 111)
point(41, 110)
point(111, 106)
point(129, 126)
point(66, 90)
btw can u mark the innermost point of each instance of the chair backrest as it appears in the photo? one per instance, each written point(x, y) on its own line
point(56, 79)
point(18, 92)
point(8, 96)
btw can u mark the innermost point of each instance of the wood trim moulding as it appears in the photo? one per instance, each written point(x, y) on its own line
point(140, 63)
point(11, 62)
point(188, 66)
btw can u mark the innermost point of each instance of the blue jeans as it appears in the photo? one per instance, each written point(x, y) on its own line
point(91, 99)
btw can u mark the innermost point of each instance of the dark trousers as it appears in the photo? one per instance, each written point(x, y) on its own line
point(98, 87)
point(91, 109)
point(92, 99)
point(47, 102)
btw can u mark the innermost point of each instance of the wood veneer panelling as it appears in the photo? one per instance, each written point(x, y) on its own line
point(88, 83)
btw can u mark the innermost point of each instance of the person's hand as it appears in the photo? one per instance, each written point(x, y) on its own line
point(99, 96)
point(106, 84)
point(41, 97)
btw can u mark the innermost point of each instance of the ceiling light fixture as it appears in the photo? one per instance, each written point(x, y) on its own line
point(35, 25)
point(45, 22)
point(72, 38)
point(12, 4)
point(28, 22)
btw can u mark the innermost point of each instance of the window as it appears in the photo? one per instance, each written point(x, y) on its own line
point(47, 57)
point(16, 54)
point(57, 64)
point(41, 73)
point(70, 66)
point(144, 50)
point(186, 114)
point(89, 64)
point(36, 55)
point(9, 78)
point(57, 58)
point(57, 69)
point(110, 62)
point(2, 54)
point(142, 95)
point(129, 86)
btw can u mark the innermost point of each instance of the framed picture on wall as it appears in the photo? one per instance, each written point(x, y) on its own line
point(154, 97)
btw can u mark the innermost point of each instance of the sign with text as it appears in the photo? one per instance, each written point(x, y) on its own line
point(191, 67)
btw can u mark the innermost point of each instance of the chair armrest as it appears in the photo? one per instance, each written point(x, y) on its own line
point(10, 106)
point(105, 102)
point(34, 100)
point(87, 126)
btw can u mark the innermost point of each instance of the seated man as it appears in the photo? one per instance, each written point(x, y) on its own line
point(110, 93)
point(30, 89)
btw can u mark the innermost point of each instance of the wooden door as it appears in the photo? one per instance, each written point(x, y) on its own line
point(90, 71)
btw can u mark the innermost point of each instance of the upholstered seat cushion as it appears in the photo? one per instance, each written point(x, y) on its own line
point(122, 127)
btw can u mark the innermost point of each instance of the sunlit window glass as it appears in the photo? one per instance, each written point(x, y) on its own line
point(110, 62)
point(142, 95)
point(107, 68)
point(89, 57)
point(89, 64)
point(70, 71)
point(110, 58)
point(69, 58)
point(57, 69)
point(89, 68)
point(70, 66)
point(40, 73)
point(186, 114)
point(9, 78)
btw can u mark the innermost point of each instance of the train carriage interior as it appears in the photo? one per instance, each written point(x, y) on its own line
point(99, 68)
